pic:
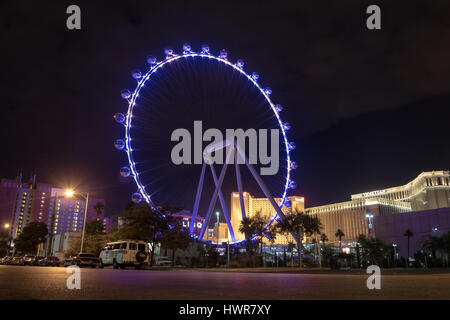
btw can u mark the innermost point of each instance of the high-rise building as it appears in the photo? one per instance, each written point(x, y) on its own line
point(67, 214)
point(22, 202)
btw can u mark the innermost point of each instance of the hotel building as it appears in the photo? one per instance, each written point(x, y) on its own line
point(24, 202)
point(429, 190)
point(68, 213)
point(264, 208)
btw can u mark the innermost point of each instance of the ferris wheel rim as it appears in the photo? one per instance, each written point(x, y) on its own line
point(190, 54)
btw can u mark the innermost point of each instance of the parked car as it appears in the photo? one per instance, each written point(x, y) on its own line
point(50, 262)
point(68, 261)
point(85, 260)
point(29, 260)
point(163, 261)
point(15, 261)
point(125, 253)
point(6, 260)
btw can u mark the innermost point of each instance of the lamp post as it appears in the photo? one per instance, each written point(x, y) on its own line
point(71, 193)
point(6, 226)
point(217, 225)
point(370, 225)
point(50, 240)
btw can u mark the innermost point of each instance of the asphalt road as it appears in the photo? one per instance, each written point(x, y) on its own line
point(50, 283)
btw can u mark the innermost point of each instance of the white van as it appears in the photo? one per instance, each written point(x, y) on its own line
point(125, 253)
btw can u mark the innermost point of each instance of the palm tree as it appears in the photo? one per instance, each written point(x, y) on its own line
point(409, 234)
point(255, 227)
point(246, 227)
point(299, 224)
point(323, 238)
point(339, 234)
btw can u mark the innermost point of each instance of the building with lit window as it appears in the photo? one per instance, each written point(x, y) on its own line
point(264, 208)
point(22, 202)
point(67, 214)
point(428, 191)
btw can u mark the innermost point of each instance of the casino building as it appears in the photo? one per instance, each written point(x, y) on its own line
point(428, 191)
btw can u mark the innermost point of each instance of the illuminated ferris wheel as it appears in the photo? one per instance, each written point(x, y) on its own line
point(135, 168)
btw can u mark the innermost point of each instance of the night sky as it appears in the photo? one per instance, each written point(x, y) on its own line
point(368, 109)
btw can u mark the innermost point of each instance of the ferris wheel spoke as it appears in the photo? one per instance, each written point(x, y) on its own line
point(263, 187)
point(239, 182)
point(197, 199)
point(215, 195)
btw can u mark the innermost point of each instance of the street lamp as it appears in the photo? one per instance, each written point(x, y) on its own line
point(7, 226)
point(370, 225)
point(70, 193)
point(217, 223)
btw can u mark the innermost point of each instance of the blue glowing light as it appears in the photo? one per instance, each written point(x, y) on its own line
point(278, 108)
point(187, 48)
point(119, 117)
point(205, 49)
point(255, 76)
point(169, 53)
point(293, 165)
point(240, 64)
point(136, 74)
point(136, 197)
point(291, 145)
point(152, 60)
point(126, 94)
point(119, 144)
point(125, 171)
point(286, 126)
point(268, 91)
point(223, 54)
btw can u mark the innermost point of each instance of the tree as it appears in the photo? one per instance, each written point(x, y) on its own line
point(4, 241)
point(95, 227)
point(255, 228)
point(339, 234)
point(246, 227)
point(373, 250)
point(176, 237)
point(32, 235)
point(299, 224)
point(323, 238)
point(93, 244)
point(409, 234)
point(439, 245)
point(144, 223)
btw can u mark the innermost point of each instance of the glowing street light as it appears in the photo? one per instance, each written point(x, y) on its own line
point(6, 225)
point(69, 193)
